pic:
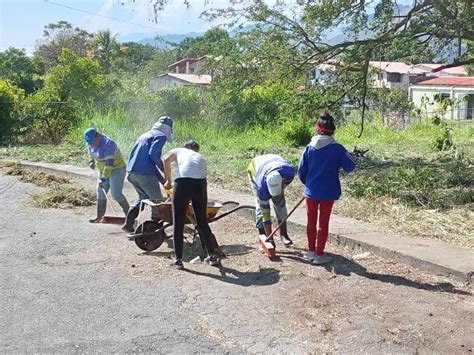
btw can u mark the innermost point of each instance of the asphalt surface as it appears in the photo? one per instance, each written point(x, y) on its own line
point(70, 286)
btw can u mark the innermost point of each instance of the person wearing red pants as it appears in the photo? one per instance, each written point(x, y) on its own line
point(318, 170)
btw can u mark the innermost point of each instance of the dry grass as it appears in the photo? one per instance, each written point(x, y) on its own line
point(59, 192)
point(63, 196)
point(35, 177)
point(454, 225)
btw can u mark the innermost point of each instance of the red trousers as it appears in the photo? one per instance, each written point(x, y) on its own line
point(321, 232)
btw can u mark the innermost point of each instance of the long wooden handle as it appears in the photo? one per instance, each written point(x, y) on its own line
point(284, 220)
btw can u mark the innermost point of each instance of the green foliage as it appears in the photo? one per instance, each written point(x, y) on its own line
point(297, 131)
point(135, 56)
point(214, 42)
point(443, 139)
point(441, 183)
point(20, 69)
point(10, 110)
point(181, 102)
point(73, 82)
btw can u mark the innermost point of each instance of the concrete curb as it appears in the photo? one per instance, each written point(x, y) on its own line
point(417, 252)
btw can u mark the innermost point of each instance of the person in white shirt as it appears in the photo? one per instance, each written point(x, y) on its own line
point(190, 185)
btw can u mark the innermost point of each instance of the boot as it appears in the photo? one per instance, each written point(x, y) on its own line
point(130, 220)
point(101, 207)
point(125, 206)
point(284, 235)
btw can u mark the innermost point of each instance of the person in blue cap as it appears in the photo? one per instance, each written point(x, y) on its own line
point(144, 165)
point(106, 156)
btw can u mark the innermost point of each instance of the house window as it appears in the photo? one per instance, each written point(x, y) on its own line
point(380, 76)
point(445, 96)
point(192, 70)
point(394, 77)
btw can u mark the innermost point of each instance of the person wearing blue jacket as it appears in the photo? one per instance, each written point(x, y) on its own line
point(318, 170)
point(144, 165)
point(269, 174)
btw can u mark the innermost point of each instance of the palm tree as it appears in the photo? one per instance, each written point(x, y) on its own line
point(106, 48)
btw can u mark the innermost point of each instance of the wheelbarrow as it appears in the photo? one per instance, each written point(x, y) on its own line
point(149, 235)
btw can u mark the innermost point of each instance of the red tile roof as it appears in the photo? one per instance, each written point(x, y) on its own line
point(447, 81)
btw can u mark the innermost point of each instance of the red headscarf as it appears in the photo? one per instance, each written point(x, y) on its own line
point(323, 130)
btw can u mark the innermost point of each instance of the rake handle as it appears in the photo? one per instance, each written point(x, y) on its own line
point(284, 220)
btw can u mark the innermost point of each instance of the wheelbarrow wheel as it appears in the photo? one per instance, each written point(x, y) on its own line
point(152, 236)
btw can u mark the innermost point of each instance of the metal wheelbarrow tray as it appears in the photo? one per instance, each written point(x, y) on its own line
point(149, 235)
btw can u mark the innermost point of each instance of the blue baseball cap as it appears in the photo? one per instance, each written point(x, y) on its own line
point(89, 135)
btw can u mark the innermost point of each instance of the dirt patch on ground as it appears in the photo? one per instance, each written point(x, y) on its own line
point(360, 302)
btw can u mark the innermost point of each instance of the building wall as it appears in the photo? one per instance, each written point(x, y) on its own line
point(381, 80)
point(162, 81)
point(461, 110)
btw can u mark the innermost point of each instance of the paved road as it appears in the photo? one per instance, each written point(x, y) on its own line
point(68, 286)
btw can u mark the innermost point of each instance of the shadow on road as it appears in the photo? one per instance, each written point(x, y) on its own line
point(345, 267)
point(263, 277)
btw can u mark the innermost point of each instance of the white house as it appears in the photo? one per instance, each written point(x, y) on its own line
point(173, 79)
point(459, 89)
point(398, 74)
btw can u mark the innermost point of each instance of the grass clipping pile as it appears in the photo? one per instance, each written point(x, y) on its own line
point(58, 194)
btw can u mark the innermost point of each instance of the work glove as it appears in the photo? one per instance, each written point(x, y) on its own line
point(102, 181)
point(92, 164)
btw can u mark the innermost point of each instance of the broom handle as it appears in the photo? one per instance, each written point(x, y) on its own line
point(108, 201)
point(284, 220)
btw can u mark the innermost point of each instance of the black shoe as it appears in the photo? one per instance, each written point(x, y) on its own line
point(213, 260)
point(177, 264)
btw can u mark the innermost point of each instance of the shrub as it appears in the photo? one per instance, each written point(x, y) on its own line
point(10, 110)
point(297, 131)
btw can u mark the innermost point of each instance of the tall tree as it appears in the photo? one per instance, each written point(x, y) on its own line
point(60, 35)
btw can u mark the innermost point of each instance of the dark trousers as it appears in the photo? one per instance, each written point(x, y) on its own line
point(184, 191)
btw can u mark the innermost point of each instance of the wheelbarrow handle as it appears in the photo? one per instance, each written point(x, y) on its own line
point(216, 218)
point(284, 220)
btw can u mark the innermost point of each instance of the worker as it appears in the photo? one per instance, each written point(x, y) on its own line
point(318, 170)
point(105, 154)
point(190, 185)
point(144, 165)
point(269, 175)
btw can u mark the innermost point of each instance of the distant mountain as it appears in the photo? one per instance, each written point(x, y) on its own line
point(157, 39)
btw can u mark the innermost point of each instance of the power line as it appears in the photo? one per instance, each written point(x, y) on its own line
point(96, 14)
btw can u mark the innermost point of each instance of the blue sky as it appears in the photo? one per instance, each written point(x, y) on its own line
point(22, 21)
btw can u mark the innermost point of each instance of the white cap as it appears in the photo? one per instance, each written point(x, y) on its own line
point(165, 125)
point(274, 183)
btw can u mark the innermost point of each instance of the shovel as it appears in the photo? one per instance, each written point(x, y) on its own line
point(111, 219)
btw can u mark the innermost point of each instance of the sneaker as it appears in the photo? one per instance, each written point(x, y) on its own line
point(310, 256)
point(213, 260)
point(321, 259)
point(286, 240)
point(177, 264)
